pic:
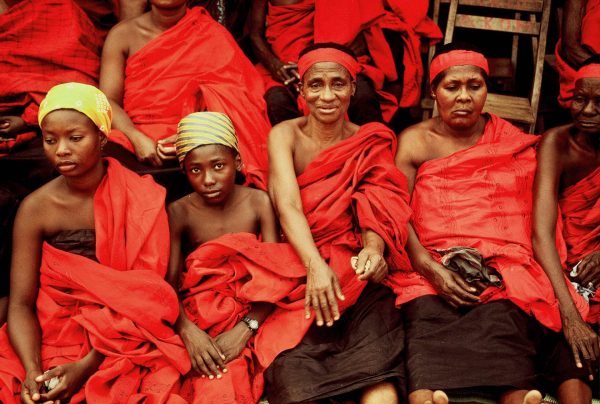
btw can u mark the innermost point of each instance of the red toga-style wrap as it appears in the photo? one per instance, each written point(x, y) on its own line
point(481, 197)
point(43, 43)
point(121, 305)
point(196, 66)
point(580, 208)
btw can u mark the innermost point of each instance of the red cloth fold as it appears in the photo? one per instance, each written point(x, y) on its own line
point(195, 66)
point(481, 197)
point(590, 39)
point(349, 186)
point(43, 43)
point(580, 208)
point(121, 305)
point(291, 28)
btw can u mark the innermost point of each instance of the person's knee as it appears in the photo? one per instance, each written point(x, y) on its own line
point(384, 392)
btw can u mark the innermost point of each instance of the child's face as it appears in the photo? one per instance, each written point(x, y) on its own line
point(211, 171)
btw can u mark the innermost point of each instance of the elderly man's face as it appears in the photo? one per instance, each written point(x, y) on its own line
point(585, 108)
point(327, 88)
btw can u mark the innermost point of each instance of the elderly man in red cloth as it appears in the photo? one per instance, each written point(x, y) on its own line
point(338, 196)
point(579, 40)
point(568, 175)
point(90, 316)
point(384, 34)
point(490, 305)
point(170, 62)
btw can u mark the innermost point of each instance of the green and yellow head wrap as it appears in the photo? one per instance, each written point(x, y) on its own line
point(204, 128)
point(81, 97)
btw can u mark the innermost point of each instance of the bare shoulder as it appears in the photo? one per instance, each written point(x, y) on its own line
point(40, 200)
point(121, 35)
point(259, 197)
point(286, 129)
point(412, 140)
point(177, 210)
point(556, 139)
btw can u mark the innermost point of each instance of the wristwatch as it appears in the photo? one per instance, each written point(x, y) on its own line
point(251, 323)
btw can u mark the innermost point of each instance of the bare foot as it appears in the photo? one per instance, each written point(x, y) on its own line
point(532, 397)
point(439, 397)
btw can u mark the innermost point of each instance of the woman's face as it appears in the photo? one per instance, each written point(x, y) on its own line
point(327, 88)
point(460, 96)
point(72, 142)
point(585, 108)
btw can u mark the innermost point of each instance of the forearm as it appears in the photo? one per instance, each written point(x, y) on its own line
point(373, 240)
point(260, 311)
point(92, 360)
point(183, 321)
point(25, 336)
point(419, 256)
point(122, 122)
point(297, 231)
point(546, 255)
point(265, 54)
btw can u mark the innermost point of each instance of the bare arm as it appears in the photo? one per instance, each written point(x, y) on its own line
point(283, 72)
point(112, 83)
point(268, 222)
point(545, 212)
point(448, 284)
point(571, 33)
point(322, 286)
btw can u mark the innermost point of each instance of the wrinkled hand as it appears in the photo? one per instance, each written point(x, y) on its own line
point(588, 270)
point(31, 389)
point(11, 126)
point(205, 354)
point(146, 150)
point(322, 291)
point(233, 342)
point(584, 342)
point(71, 377)
point(450, 285)
point(371, 265)
point(287, 73)
point(166, 149)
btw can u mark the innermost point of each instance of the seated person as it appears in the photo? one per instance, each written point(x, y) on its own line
point(80, 319)
point(579, 40)
point(387, 41)
point(470, 176)
point(338, 195)
point(172, 61)
point(568, 175)
point(222, 303)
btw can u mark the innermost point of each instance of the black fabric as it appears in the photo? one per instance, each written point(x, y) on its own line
point(81, 242)
point(281, 105)
point(364, 105)
point(492, 345)
point(363, 348)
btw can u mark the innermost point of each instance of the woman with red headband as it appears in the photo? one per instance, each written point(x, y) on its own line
point(568, 176)
point(480, 325)
point(342, 206)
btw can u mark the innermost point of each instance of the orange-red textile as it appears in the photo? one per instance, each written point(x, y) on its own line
point(590, 39)
point(580, 208)
point(291, 28)
point(222, 279)
point(43, 43)
point(121, 305)
point(349, 186)
point(481, 197)
point(196, 66)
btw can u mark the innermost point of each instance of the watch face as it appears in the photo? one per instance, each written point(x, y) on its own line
point(253, 324)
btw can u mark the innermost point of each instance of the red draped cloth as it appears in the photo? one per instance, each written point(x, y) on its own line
point(43, 43)
point(590, 39)
point(580, 208)
point(195, 66)
point(291, 28)
point(120, 305)
point(481, 197)
point(352, 185)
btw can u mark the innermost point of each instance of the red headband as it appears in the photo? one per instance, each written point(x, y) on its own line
point(328, 55)
point(588, 72)
point(456, 58)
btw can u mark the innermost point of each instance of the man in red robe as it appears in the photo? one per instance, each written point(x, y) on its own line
point(385, 35)
point(579, 40)
point(170, 62)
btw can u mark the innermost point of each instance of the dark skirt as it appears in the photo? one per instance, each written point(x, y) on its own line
point(488, 349)
point(363, 348)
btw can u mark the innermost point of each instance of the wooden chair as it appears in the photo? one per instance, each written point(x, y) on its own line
point(531, 18)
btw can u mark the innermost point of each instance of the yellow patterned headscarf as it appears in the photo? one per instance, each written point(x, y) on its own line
point(81, 97)
point(204, 128)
